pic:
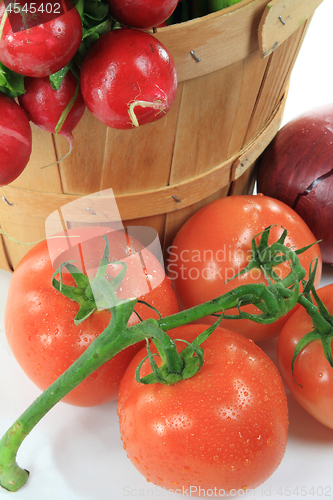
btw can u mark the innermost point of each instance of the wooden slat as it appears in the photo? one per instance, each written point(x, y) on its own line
point(23, 212)
point(26, 229)
point(34, 176)
point(230, 38)
point(4, 260)
point(280, 19)
point(140, 159)
point(251, 75)
point(254, 149)
point(205, 123)
point(175, 220)
point(245, 183)
point(87, 156)
point(131, 205)
point(151, 202)
point(275, 80)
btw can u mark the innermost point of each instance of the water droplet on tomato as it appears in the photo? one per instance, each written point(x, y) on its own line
point(270, 441)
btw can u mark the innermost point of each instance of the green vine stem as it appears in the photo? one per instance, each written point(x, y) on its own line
point(321, 319)
point(274, 300)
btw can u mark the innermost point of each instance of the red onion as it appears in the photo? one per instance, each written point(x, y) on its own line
point(297, 168)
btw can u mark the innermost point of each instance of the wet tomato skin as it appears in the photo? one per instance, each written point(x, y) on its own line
point(39, 321)
point(214, 245)
point(312, 386)
point(225, 428)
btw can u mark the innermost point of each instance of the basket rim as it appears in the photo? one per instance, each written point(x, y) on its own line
point(208, 17)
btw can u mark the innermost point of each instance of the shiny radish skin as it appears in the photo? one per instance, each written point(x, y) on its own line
point(44, 105)
point(41, 50)
point(142, 14)
point(15, 140)
point(128, 78)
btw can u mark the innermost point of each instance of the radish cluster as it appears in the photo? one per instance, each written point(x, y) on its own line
point(103, 60)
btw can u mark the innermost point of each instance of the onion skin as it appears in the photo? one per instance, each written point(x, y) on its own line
point(297, 168)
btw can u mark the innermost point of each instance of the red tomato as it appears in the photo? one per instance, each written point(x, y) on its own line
point(223, 430)
point(313, 385)
point(215, 244)
point(39, 321)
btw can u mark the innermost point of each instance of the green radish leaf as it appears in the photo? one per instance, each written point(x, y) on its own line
point(57, 78)
point(11, 83)
point(95, 10)
point(95, 31)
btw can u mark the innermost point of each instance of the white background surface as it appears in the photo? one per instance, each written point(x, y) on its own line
point(76, 454)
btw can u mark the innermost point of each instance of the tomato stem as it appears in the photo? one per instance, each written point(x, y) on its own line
point(274, 300)
point(322, 326)
point(104, 347)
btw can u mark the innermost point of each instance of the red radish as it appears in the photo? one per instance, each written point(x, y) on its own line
point(15, 140)
point(143, 14)
point(43, 49)
point(44, 106)
point(128, 78)
point(297, 168)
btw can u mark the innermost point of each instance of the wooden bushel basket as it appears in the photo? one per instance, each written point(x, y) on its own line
point(233, 71)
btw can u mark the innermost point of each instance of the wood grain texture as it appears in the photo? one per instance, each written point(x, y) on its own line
point(281, 19)
point(226, 111)
point(218, 39)
point(275, 80)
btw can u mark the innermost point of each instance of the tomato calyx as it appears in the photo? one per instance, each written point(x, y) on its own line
point(81, 293)
point(280, 295)
point(175, 366)
point(91, 295)
point(266, 257)
point(321, 319)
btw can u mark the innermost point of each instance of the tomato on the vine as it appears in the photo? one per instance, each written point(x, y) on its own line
point(223, 429)
point(311, 381)
point(39, 321)
point(215, 244)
